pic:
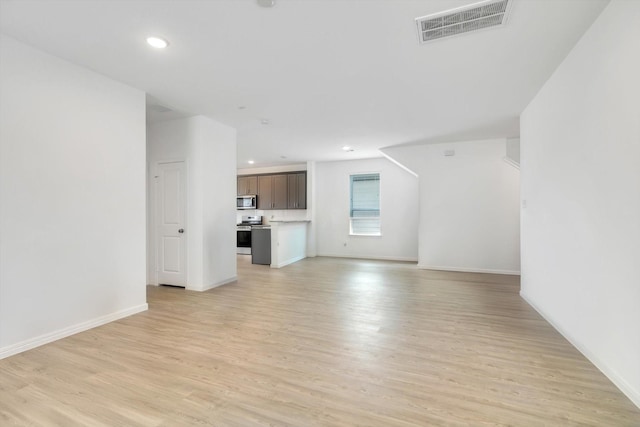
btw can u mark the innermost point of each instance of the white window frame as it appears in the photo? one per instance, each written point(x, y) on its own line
point(354, 230)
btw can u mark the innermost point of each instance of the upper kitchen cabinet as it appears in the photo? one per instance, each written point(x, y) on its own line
point(297, 191)
point(276, 191)
point(247, 185)
point(272, 192)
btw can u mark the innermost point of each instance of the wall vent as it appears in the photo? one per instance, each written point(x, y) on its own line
point(477, 16)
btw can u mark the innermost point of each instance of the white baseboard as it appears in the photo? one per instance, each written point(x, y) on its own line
point(469, 270)
point(211, 286)
point(621, 383)
point(288, 261)
point(25, 345)
point(380, 258)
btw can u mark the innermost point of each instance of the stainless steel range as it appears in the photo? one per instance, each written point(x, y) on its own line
point(244, 233)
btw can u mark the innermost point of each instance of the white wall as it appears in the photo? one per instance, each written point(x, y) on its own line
point(469, 205)
point(209, 150)
point(273, 169)
point(311, 210)
point(217, 163)
point(72, 198)
point(581, 181)
point(398, 210)
point(288, 243)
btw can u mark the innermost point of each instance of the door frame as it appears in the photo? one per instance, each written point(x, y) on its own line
point(153, 209)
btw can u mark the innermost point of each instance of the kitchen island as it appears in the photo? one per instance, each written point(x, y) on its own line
point(288, 241)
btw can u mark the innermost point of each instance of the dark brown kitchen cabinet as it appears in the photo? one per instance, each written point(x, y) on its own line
point(272, 191)
point(276, 191)
point(247, 185)
point(297, 191)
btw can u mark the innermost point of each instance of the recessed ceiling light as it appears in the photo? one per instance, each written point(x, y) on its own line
point(265, 121)
point(157, 42)
point(251, 162)
point(347, 148)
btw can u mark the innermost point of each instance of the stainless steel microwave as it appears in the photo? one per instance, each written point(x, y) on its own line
point(247, 202)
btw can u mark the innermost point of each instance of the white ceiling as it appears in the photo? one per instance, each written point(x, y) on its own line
point(326, 73)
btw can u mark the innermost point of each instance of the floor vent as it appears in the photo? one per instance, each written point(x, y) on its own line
point(477, 16)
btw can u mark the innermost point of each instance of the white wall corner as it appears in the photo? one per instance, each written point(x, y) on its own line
point(29, 344)
point(388, 153)
point(628, 389)
point(469, 270)
point(580, 175)
point(202, 288)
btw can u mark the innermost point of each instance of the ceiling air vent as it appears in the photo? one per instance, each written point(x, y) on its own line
point(477, 16)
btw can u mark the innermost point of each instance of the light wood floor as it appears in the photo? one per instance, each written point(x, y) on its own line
point(323, 342)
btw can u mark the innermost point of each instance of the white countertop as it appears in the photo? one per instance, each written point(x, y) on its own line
point(289, 220)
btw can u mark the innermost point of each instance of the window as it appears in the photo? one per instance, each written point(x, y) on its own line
point(365, 204)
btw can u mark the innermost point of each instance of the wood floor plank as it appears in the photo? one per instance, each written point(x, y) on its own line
point(322, 342)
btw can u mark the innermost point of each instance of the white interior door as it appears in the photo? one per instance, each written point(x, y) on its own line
point(171, 240)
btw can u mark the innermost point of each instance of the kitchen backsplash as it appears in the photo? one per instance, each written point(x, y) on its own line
point(269, 215)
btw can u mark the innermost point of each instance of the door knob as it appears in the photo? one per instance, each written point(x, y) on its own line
point(181, 231)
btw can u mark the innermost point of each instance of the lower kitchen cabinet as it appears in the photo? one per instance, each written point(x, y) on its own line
point(261, 246)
